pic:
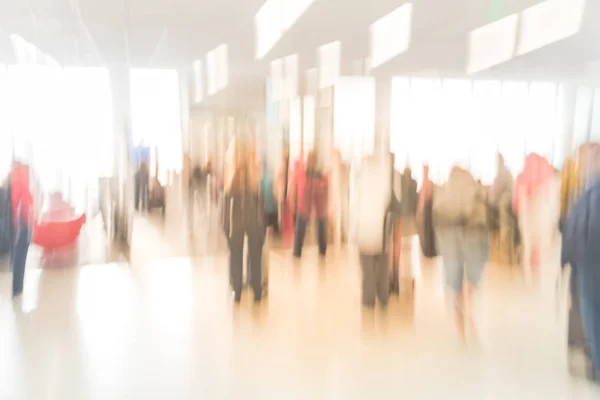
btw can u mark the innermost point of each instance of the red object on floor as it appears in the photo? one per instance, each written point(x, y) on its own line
point(54, 231)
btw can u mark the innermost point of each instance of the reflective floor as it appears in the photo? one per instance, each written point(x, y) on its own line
point(164, 327)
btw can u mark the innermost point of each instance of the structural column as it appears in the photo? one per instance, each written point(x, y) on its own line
point(567, 102)
point(123, 169)
point(383, 109)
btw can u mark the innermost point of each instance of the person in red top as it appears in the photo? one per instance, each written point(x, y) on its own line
point(311, 187)
point(23, 206)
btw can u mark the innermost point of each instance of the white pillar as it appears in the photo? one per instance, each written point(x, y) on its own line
point(123, 170)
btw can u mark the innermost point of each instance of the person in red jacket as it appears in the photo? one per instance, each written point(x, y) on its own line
point(311, 193)
point(23, 207)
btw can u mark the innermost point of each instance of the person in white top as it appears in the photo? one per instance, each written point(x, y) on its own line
point(371, 196)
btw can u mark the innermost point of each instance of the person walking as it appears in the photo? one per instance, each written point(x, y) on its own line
point(22, 203)
point(460, 219)
point(311, 189)
point(243, 217)
point(372, 224)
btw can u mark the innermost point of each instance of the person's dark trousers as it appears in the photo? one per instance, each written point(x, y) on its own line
point(588, 281)
point(18, 256)
point(375, 278)
point(236, 263)
point(136, 195)
point(144, 194)
point(300, 233)
point(272, 219)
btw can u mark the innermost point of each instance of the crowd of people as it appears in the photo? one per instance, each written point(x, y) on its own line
point(373, 206)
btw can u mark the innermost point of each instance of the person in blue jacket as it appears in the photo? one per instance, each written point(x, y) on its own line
point(580, 249)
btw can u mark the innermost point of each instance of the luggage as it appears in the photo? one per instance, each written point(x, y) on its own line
point(426, 230)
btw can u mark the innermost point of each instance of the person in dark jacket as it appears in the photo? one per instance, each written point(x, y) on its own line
point(581, 235)
point(243, 217)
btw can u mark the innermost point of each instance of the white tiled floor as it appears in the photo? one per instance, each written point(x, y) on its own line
point(165, 327)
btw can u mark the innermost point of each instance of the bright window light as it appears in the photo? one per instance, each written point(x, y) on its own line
point(309, 123)
point(399, 140)
point(217, 65)
point(329, 63)
point(277, 79)
point(476, 119)
point(273, 19)
point(492, 44)
point(198, 81)
point(549, 22)
point(156, 116)
point(268, 26)
point(222, 66)
point(290, 66)
point(390, 35)
point(293, 10)
point(211, 72)
point(541, 119)
point(354, 117)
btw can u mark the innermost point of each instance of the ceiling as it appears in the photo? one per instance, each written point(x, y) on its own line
point(139, 32)
point(173, 33)
point(439, 38)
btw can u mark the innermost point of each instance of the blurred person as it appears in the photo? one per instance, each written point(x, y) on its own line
point(311, 192)
point(536, 202)
point(371, 224)
point(142, 187)
point(23, 208)
point(424, 218)
point(502, 217)
point(460, 219)
point(269, 200)
point(243, 217)
point(581, 235)
point(281, 192)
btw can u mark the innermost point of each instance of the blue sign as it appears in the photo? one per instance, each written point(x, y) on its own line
point(139, 155)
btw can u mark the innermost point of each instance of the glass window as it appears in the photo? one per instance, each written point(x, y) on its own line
point(513, 109)
point(541, 121)
point(390, 35)
point(581, 121)
point(595, 125)
point(400, 137)
point(329, 63)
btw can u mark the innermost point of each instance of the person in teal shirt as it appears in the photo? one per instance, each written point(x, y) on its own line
point(269, 201)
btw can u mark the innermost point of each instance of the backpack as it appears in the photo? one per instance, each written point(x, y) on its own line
point(460, 201)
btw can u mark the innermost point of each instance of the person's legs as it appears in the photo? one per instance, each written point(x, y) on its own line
point(588, 278)
point(145, 197)
point(255, 243)
point(476, 253)
point(19, 259)
point(275, 222)
point(322, 236)
point(300, 231)
point(369, 289)
point(136, 196)
point(383, 278)
point(448, 242)
point(236, 263)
